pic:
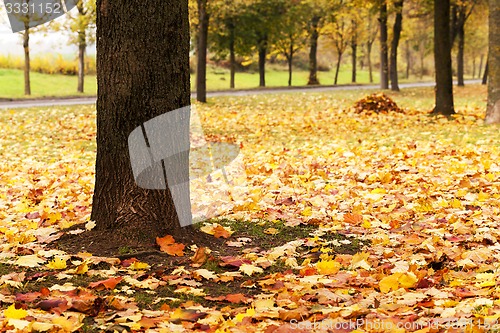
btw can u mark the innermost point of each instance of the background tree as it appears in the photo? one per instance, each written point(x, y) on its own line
point(493, 107)
point(396, 34)
point(442, 58)
point(384, 57)
point(201, 51)
point(315, 11)
point(143, 72)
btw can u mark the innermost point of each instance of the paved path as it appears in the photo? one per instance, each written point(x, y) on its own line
point(91, 100)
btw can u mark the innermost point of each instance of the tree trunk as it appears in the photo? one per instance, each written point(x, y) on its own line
point(82, 45)
point(201, 66)
point(474, 67)
point(232, 57)
point(26, 47)
point(384, 68)
point(369, 60)
point(493, 107)
point(313, 63)
point(408, 59)
point(262, 62)
point(442, 58)
point(290, 64)
point(354, 47)
point(485, 75)
point(337, 68)
point(481, 60)
point(398, 26)
point(143, 72)
point(461, 46)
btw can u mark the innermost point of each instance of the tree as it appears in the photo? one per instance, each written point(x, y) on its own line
point(493, 107)
point(384, 60)
point(201, 50)
point(27, 69)
point(442, 58)
point(398, 26)
point(143, 72)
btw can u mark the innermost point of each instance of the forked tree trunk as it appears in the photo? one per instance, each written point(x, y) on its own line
point(313, 62)
point(398, 26)
point(26, 47)
point(143, 72)
point(384, 66)
point(201, 66)
point(442, 58)
point(493, 107)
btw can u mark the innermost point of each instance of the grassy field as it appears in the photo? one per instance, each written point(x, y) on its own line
point(44, 85)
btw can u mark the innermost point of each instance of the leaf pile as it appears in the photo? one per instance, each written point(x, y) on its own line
point(378, 102)
point(418, 195)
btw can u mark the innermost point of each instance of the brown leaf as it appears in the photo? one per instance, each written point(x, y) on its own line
point(200, 257)
point(55, 305)
point(219, 232)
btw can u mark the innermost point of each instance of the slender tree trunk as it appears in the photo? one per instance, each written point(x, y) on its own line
point(262, 62)
point(354, 47)
point(485, 75)
point(82, 45)
point(232, 57)
point(201, 66)
point(313, 63)
point(398, 26)
point(474, 67)
point(290, 64)
point(461, 46)
point(422, 59)
point(369, 60)
point(481, 59)
point(26, 47)
point(442, 58)
point(143, 72)
point(337, 68)
point(493, 106)
point(384, 67)
point(408, 59)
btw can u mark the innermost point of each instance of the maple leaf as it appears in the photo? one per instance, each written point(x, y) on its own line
point(169, 246)
point(200, 257)
point(13, 313)
point(328, 267)
point(353, 218)
point(250, 269)
point(106, 284)
point(57, 263)
point(186, 315)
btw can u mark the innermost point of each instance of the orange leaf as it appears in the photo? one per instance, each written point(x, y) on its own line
point(353, 218)
point(174, 249)
point(106, 284)
point(200, 257)
point(219, 232)
point(237, 298)
point(186, 315)
point(165, 241)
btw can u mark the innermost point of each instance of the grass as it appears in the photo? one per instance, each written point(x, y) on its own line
point(52, 85)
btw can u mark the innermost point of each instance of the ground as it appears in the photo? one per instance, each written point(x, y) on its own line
point(341, 220)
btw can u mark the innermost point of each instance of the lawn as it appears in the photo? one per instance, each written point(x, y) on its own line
point(341, 218)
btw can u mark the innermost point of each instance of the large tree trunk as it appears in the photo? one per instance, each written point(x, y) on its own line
point(143, 72)
point(493, 107)
point(201, 66)
point(82, 45)
point(26, 47)
point(262, 61)
point(461, 46)
point(442, 58)
point(398, 26)
point(384, 67)
point(313, 62)
point(232, 57)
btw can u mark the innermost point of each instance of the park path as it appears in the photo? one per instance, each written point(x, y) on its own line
point(28, 103)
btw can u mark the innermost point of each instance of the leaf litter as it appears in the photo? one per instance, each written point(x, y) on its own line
point(413, 200)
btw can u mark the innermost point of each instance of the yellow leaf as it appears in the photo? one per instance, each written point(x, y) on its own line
point(408, 280)
point(250, 269)
point(389, 283)
point(137, 265)
point(483, 196)
point(57, 263)
point(328, 267)
point(31, 260)
point(12, 313)
point(360, 260)
point(82, 268)
point(307, 211)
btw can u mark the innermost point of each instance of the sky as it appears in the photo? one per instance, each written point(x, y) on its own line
point(40, 43)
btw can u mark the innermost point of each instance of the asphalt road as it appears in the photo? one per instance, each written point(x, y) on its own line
point(28, 103)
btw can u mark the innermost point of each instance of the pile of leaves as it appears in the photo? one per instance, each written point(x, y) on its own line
point(344, 224)
point(376, 103)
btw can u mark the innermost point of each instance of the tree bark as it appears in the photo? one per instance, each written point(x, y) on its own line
point(369, 60)
point(408, 59)
point(26, 47)
point(313, 62)
point(384, 68)
point(82, 45)
point(290, 64)
point(485, 74)
point(493, 106)
point(201, 66)
point(232, 57)
point(143, 72)
point(442, 58)
point(398, 26)
point(262, 61)
point(461, 46)
point(337, 68)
